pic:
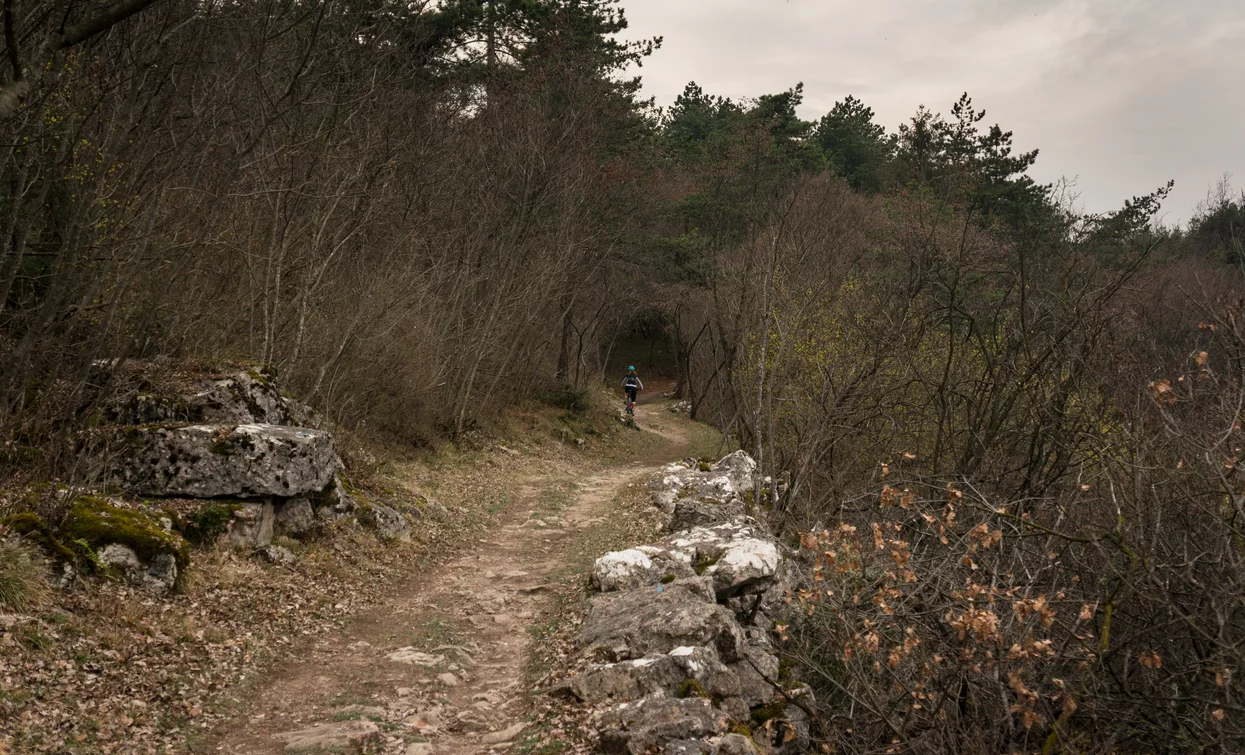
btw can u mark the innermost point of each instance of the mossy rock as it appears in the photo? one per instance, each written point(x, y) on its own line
point(96, 522)
point(768, 712)
point(692, 688)
point(702, 562)
point(32, 527)
point(206, 525)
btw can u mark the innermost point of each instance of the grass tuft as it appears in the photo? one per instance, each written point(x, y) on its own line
point(23, 575)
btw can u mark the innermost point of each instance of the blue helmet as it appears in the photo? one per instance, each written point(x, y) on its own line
point(631, 368)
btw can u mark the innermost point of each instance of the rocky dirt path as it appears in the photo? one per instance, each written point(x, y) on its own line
point(440, 667)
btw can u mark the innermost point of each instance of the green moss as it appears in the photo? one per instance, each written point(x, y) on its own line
point(96, 522)
point(703, 466)
point(208, 523)
point(32, 527)
point(768, 712)
point(667, 579)
point(692, 688)
point(742, 729)
point(703, 562)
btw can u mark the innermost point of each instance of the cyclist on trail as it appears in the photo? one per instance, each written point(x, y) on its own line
point(631, 384)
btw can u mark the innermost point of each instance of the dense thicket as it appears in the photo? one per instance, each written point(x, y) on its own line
point(1009, 433)
point(414, 212)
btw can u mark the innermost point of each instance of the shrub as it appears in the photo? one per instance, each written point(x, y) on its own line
point(569, 398)
point(32, 527)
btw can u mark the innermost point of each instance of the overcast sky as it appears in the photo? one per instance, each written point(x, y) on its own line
point(1119, 95)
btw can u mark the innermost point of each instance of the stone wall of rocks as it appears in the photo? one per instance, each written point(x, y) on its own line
point(230, 441)
point(677, 648)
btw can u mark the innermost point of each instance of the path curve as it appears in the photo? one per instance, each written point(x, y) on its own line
point(443, 660)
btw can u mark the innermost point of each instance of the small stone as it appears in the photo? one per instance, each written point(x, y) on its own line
point(425, 720)
point(367, 712)
point(388, 523)
point(736, 744)
point(505, 735)
point(448, 679)
point(277, 554)
point(342, 735)
point(416, 658)
point(419, 748)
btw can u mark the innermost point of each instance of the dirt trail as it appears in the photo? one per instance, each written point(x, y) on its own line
point(442, 662)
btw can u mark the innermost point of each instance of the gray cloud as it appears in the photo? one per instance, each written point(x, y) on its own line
point(1119, 94)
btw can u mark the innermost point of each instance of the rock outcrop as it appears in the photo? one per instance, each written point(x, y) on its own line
point(193, 455)
point(676, 647)
point(233, 438)
point(142, 549)
point(236, 461)
point(155, 393)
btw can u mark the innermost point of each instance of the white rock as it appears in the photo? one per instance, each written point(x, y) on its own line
point(415, 657)
point(739, 466)
point(157, 576)
point(743, 564)
point(341, 736)
point(619, 570)
point(505, 735)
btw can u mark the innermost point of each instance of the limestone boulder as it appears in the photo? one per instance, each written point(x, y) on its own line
point(744, 565)
point(781, 728)
point(737, 555)
point(152, 392)
point(703, 511)
point(246, 397)
point(637, 567)
point(343, 736)
point(735, 744)
point(681, 407)
point(635, 623)
point(252, 525)
point(295, 517)
point(128, 540)
point(739, 467)
point(239, 461)
point(157, 574)
point(388, 523)
point(757, 671)
point(635, 728)
point(277, 555)
point(684, 671)
point(689, 747)
point(722, 481)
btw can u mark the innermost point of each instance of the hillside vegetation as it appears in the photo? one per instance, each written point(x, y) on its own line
point(1010, 431)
